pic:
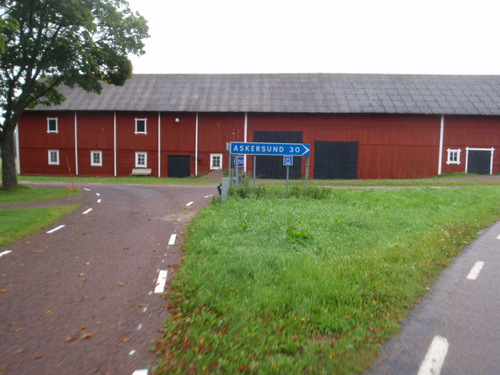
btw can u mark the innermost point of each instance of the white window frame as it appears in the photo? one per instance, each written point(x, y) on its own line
point(56, 153)
point(56, 120)
point(145, 126)
point(213, 157)
point(451, 153)
point(138, 155)
point(94, 163)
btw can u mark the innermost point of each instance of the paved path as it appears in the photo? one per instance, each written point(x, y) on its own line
point(457, 325)
point(81, 299)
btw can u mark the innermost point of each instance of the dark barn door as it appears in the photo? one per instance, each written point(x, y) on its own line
point(334, 160)
point(479, 162)
point(178, 166)
point(272, 166)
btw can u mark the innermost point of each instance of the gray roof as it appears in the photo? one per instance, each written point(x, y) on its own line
point(294, 93)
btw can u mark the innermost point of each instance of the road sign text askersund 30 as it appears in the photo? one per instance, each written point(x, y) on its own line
point(263, 148)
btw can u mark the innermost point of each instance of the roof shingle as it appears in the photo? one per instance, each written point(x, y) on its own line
point(294, 93)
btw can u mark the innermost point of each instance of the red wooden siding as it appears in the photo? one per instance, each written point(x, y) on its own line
point(95, 133)
point(215, 130)
point(389, 146)
point(35, 142)
point(472, 132)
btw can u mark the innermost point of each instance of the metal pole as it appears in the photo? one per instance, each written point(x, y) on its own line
point(307, 174)
point(287, 179)
point(254, 169)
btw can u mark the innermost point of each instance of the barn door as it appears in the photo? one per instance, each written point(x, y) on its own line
point(479, 161)
point(272, 166)
point(178, 166)
point(334, 160)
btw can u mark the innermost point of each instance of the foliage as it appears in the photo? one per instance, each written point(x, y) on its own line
point(45, 44)
point(293, 286)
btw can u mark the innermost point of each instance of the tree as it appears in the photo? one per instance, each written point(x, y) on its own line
point(48, 43)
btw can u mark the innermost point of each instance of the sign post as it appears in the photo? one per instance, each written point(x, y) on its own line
point(288, 150)
point(287, 161)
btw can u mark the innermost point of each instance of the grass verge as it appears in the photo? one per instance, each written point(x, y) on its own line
point(269, 285)
point(26, 194)
point(19, 223)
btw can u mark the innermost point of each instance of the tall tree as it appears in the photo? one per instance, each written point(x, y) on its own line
point(48, 43)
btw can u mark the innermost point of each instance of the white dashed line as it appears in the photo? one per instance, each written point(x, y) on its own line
point(139, 327)
point(498, 237)
point(57, 228)
point(86, 189)
point(162, 279)
point(474, 272)
point(208, 196)
point(189, 204)
point(132, 352)
point(86, 212)
point(172, 239)
point(5, 252)
point(435, 356)
point(141, 372)
point(99, 201)
point(98, 194)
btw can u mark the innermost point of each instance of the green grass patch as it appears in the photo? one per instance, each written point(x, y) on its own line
point(269, 285)
point(17, 224)
point(26, 194)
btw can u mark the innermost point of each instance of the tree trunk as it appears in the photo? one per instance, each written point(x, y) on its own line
point(9, 175)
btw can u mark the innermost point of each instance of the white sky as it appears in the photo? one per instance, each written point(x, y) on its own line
point(320, 36)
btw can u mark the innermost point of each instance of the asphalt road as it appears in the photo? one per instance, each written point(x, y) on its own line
point(456, 327)
point(85, 299)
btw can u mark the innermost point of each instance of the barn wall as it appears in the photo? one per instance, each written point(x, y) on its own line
point(215, 130)
point(35, 142)
point(473, 132)
point(95, 133)
point(390, 146)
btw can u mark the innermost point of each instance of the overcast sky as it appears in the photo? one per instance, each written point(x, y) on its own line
point(321, 36)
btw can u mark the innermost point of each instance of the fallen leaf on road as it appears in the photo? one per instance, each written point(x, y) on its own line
point(82, 328)
point(3, 290)
point(87, 336)
point(122, 284)
point(39, 356)
point(126, 339)
point(48, 312)
point(71, 338)
point(86, 264)
point(81, 274)
point(19, 351)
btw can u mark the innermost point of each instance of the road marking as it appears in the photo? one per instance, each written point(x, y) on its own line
point(86, 189)
point(189, 204)
point(435, 356)
point(5, 252)
point(132, 352)
point(98, 194)
point(162, 279)
point(141, 372)
point(57, 228)
point(498, 237)
point(86, 212)
point(172, 239)
point(139, 327)
point(208, 196)
point(99, 201)
point(474, 272)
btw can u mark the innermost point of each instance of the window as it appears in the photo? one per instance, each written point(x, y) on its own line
point(52, 125)
point(453, 156)
point(141, 159)
point(53, 157)
point(215, 161)
point(96, 158)
point(140, 126)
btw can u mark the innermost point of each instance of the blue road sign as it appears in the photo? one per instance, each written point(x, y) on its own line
point(287, 160)
point(256, 148)
point(239, 161)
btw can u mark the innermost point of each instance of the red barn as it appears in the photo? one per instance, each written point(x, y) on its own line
point(358, 125)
